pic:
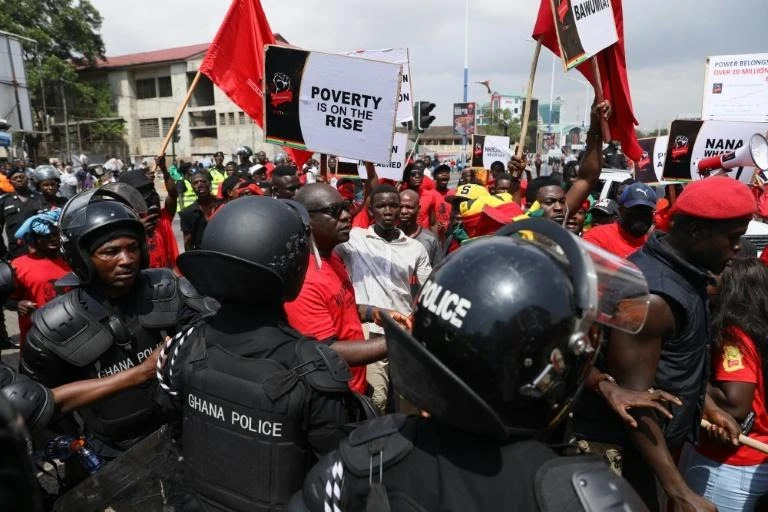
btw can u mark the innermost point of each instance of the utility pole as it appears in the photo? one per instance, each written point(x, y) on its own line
point(68, 155)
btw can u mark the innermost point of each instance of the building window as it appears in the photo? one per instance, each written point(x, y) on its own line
point(241, 117)
point(149, 128)
point(145, 88)
point(164, 87)
point(222, 119)
point(166, 124)
point(231, 118)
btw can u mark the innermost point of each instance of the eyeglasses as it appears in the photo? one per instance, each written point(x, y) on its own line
point(335, 210)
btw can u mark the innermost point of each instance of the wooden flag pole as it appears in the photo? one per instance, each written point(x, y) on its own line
point(745, 440)
point(528, 94)
point(179, 112)
point(599, 94)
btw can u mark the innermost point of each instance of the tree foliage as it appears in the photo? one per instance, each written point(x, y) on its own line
point(502, 123)
point(67, 37)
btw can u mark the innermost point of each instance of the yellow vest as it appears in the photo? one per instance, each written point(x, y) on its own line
point(189, 196)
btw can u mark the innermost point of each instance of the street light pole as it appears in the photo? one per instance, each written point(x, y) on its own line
point(551, 93)
point(68, 157)
point(466, 68)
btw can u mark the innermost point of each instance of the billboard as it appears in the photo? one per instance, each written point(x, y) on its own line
point(14, 94)
point(464, 119)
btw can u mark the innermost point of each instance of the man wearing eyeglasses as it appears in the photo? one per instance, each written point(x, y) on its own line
point(325, 308)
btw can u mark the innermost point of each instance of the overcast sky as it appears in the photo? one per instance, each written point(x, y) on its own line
point(667, 43)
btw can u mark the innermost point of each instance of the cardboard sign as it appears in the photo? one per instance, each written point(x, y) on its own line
point(690, 141)
point(487, 149)
point(330, 103)
point(396, 56)
point(584, 28)
point(650, 167)
point(736, 88)
point(464, 119)
point(393, 170)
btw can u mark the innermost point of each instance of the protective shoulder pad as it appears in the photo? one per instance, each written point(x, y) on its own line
point(161, 299)
point(66, 329)
point(7, 280)
point(379, 443)
point(321, 367)
point(33, 401)
point(205, 306)
point(584, 482)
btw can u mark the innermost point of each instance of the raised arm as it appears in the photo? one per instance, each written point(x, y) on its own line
point(592, 163)
point(172, 199)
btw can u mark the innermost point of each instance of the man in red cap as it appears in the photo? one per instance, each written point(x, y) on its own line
point(672, 350)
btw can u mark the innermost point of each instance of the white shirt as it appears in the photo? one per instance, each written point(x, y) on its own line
point(382, 271)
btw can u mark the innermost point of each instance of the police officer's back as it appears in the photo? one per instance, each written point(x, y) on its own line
point(500, 346)
point(258, 401)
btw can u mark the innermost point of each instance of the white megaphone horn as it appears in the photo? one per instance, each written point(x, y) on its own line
point(754, 154)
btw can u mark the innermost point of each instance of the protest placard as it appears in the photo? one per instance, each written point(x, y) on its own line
point(397, 56)
point(650, 167)
point(584, 28)
point(464, 119)
point(736, 88)
point(392, 170)
point(691, 140)
point(330, 103)
point(487, 149)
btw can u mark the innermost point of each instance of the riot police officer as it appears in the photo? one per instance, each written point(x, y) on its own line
point(47, 180)
point(501, 342)
point(113, 319)
point(258, 400)
point(244, 154)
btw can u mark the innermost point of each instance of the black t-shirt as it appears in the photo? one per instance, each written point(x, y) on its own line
point(193, 222)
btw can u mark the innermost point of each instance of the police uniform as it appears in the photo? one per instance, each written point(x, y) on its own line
point(417, 464)
point(82, 335)
point(258, 400)
point(217, 178)
point(13, 212)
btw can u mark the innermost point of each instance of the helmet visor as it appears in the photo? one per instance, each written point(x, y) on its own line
point(618, 292)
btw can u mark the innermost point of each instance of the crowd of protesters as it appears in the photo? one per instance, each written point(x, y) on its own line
point(374, 244)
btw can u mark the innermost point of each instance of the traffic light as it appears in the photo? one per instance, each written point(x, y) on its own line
point(421, 117)
point(176, 134)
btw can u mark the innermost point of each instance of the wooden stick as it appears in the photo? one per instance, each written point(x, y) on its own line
point(528, 94)
point(599, 93)
point(746, 441)
point(179, 112)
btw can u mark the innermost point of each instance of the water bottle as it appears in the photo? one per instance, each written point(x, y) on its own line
point(60, 447)
point(90, 460)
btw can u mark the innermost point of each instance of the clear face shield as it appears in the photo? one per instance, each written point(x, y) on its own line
point(609, 291)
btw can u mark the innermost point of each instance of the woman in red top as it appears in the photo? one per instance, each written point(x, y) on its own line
point(36, 272)
point(731, 477)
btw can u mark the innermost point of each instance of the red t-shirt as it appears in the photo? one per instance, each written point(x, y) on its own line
point(443, 212)
point(428, 201)
point(35, 276)
point(738, 360)
point(614, 239)
point(326, 308)
point(162, 246)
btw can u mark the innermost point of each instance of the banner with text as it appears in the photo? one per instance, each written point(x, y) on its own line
point(393, 170)
point(736, 88)
point(330, 103)
point(584, 27)
point(650, 167)
point(464, 119)
point(396, 56)
point(690, 141)
point(487, 149)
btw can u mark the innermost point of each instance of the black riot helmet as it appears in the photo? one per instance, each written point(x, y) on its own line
point(244, 151)
point(254, 248)
point(99, 214)
point(502, 333)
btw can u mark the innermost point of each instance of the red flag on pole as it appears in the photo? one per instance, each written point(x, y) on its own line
point(235, 61)
point(613, 75)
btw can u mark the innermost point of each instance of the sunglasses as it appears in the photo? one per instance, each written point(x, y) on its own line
point(335, 210)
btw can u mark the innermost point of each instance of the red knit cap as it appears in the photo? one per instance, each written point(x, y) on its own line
point(717, 198)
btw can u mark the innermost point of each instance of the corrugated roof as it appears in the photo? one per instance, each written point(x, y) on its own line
point(157, 56)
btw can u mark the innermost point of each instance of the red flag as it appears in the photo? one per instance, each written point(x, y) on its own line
point(613, 75)
point(562, 10)
point(235, 61)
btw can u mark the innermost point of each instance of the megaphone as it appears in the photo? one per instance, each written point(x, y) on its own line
point(754, 154)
